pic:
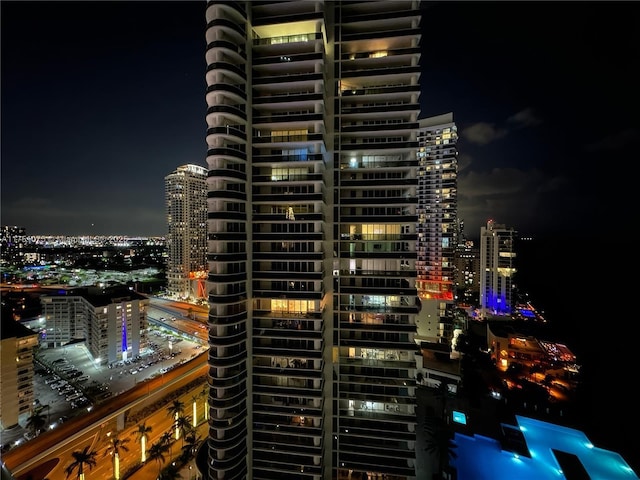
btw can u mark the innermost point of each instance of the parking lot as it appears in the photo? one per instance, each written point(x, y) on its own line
point(67, 380)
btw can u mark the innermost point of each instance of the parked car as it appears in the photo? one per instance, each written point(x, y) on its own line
point(52, 379)
point(29, 435)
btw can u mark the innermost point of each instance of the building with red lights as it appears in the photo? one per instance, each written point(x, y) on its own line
point(186, 207)
point(437, 235)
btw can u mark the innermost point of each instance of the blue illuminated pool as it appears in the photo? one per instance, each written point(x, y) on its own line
point(480, 457)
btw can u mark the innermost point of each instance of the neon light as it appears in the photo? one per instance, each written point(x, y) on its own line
point(124, 331)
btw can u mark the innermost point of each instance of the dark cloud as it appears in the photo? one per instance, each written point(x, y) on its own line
point(507, 195)
point(464, 161)
point(524, 118)
point(616, 141)
point(482, 133)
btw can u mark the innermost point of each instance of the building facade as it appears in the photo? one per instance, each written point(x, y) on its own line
point(312, 153)
point(110, 321)
point(437, 226)
point(496, 269)
point(17, 343)
point(186, 208)
point(467, 268)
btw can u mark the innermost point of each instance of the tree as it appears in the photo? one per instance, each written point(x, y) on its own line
point(183, 426)
point(114, 447)
point(166, 440)
point(190, 446)
point(36, 422)
point(141, 433)
point(205, 396)
point(194, 400)
point(439, 441)
point(441, 394)
point(81, 459)
point(171, 472)
point(176, 409)
point(156, 452)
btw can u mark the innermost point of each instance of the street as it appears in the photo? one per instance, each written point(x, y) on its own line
point(173, 342)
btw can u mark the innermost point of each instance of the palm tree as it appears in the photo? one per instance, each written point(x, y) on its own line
point(116, 444)
point(205, 395)
point(36, 422)
point(194, 401)
point(183, 425)
point(171, 472)
point(166, 440)
point(189, 446)
point(156, 452)
point(442, 394)
point(41, 409)
point(81, 459)
point(176, 409)
point(439, 441)
point(142, 432)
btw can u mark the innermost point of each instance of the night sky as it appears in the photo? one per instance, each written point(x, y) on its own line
point(101, 100)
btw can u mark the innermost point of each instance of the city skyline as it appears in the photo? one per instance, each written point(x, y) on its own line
point(111, 106)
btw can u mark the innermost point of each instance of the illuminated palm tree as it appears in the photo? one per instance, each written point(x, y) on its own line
point(156, 452)
point(166, 440)
point(116, 444)
point(194, 400)
point(205, 395)
point(176, 409)
point(183, 425)
point(81, 459)
point(142, 432)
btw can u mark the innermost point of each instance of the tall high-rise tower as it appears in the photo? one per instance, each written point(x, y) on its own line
point(186, 207)
point(437, 225)
point(496, 269)
point(312, 154)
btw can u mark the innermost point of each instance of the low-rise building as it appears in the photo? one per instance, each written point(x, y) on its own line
point(110, 320)
point(16, 370)
point(509, 346)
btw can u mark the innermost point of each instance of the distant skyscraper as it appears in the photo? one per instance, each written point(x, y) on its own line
point(437, 225)
point(12, 242)
point(186, 203)
point(496, 269)
point(467, 261)
point(312, 153)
